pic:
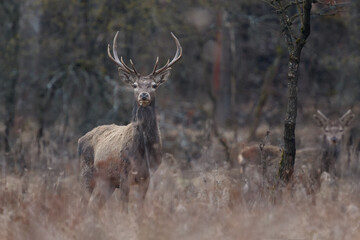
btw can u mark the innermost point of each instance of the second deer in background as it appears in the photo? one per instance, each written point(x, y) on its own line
point(338, 153)
point(336, 138)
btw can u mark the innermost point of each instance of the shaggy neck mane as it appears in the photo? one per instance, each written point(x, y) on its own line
point(144, 121)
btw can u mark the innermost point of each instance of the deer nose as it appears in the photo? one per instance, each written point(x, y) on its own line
point(144, 96)
point(333, 139)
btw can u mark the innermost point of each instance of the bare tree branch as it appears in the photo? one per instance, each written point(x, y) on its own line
point(301, 10)
point(293, 4)
point(286, 24)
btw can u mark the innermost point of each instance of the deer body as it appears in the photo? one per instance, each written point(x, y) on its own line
point(113, 156)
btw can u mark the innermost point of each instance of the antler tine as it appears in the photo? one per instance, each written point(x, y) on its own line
point(155, 66)
point(176, 58)
point(126, 67)
point(345, 114)
point(115, 47)
point(116, 60)
point(322, 115)
point(133, 67)
point(178, 53)
point(111, 57)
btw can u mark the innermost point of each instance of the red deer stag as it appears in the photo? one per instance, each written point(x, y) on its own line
point(333, 140)
point(113, 156)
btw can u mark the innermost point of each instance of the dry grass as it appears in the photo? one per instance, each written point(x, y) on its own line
point(217, 204)
point(204, 201)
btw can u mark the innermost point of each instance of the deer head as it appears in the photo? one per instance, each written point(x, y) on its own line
point(334, 129)
point(144, 86)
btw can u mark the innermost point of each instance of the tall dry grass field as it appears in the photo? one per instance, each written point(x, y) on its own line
point(217, 204)
point(193, 202)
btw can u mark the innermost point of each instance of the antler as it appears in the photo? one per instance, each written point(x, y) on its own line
point(122, 66)
point(168, 64)
point(322, 116)
point(347, 118)
point(348, 113)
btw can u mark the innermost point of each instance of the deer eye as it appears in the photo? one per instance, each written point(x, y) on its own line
point(134, 85)
point(154, 85)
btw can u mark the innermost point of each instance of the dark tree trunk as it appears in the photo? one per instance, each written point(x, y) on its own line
point(10, 104)
point(294, 48)
point(10, 74)
point(224, 99)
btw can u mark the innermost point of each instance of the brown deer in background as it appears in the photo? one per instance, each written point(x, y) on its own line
point(333, 141)
point(313, 166)
point(113, 156)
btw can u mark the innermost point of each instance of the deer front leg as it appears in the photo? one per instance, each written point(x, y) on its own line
point(101, 193)
point(87, 177)
point(140, 194)
point(143, 187)
point(124, 194)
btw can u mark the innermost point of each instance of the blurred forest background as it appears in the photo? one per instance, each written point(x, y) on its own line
point(57, 81)
point(229, 90)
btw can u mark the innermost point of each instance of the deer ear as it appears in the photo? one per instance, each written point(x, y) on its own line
point(126, 77)
point(162, 77)
point(347, 118)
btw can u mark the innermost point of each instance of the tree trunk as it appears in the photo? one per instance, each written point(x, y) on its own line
point(288, 157)
point(11, 73)
point(29, 66)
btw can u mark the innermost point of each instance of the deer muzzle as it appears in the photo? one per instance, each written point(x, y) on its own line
point(144, 99)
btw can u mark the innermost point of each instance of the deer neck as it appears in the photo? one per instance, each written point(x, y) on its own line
point(331, 150)
point(145, 125)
